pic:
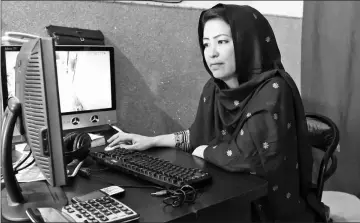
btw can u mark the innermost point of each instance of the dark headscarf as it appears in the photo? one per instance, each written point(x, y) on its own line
point(258, 60)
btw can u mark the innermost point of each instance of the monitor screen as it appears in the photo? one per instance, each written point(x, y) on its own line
point(86, 79)
point(8, 55)
point(8, 60)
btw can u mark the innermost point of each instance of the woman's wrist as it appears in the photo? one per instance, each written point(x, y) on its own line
point(154, 141)
point(162, 140)
point(177, 140)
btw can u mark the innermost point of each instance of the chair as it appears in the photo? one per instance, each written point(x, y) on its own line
point(324, 135)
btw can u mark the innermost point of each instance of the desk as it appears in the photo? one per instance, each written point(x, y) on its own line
point(228, 196)
point(226, 199)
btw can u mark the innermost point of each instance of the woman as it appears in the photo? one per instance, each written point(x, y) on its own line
point(250, 117)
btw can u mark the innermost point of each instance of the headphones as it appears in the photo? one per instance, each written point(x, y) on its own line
point(76, 146)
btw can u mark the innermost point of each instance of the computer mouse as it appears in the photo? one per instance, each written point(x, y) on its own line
point(109, 148)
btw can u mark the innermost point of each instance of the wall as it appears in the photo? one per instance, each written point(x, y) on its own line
point(278, 8)
point(159, 70)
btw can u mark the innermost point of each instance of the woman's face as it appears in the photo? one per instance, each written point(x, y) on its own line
point(219, 49)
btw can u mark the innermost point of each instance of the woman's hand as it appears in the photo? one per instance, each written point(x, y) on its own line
point(131, 141)
point(199, 151)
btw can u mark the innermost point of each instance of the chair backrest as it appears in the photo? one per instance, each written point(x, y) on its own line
point(323, 135)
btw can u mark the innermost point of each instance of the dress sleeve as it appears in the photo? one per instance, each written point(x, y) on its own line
point(240, 154)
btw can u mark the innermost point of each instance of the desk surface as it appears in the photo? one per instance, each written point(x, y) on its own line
point(226, 198)
point(225, 187)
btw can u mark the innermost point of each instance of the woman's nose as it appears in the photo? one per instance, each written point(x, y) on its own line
point(214, 52)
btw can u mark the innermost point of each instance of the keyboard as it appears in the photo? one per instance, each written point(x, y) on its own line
point(152, 169)
point(103, 209)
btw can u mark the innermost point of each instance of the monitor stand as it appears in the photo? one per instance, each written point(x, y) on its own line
point(36, 194)
point(15, 197)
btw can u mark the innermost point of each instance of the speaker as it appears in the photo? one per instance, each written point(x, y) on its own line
point(77, 146)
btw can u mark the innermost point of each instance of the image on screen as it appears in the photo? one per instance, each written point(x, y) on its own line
point(84, 79)
point(10, 71)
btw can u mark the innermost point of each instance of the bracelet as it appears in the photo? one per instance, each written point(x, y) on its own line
point(182, 140)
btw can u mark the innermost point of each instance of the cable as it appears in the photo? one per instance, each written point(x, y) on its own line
point(186, 194)
point(93, 170)
point(176, 198)
point(86, 173)
point(26, 166)
point(21, 162)
point(127, 186)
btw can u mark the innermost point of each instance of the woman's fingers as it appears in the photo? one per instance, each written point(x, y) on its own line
point(130, 147)
point(112, 138)
point(119, 137)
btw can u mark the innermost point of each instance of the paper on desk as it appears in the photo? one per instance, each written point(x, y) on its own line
point(20, 147)
point(94, 136)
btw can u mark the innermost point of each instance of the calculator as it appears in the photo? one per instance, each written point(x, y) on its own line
point(103, 209)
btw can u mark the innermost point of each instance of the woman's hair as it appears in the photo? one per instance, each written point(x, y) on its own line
point(214, 13)
point(254, 41)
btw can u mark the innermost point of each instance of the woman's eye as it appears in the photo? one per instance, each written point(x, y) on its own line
point(223, 41)
point(205, 45)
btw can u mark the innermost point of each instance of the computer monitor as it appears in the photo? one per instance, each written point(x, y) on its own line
point(86, 77)
point(36, 108)
point(8, 60)
point(86, 86)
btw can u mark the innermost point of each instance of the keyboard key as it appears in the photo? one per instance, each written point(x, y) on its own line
point(107, 213)
point(104, 219)
point(79, 215)
point(91, 209)
point(128, 212)
point(70, 210)
point(99, 215)
point(103, 209)
point(86, 206)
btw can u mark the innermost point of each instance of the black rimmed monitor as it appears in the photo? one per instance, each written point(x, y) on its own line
point(8, 60)
point(86, 77)
point(36, 111)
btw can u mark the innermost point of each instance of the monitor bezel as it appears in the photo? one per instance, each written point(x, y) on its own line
point(110, 49)
point(5, 91)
